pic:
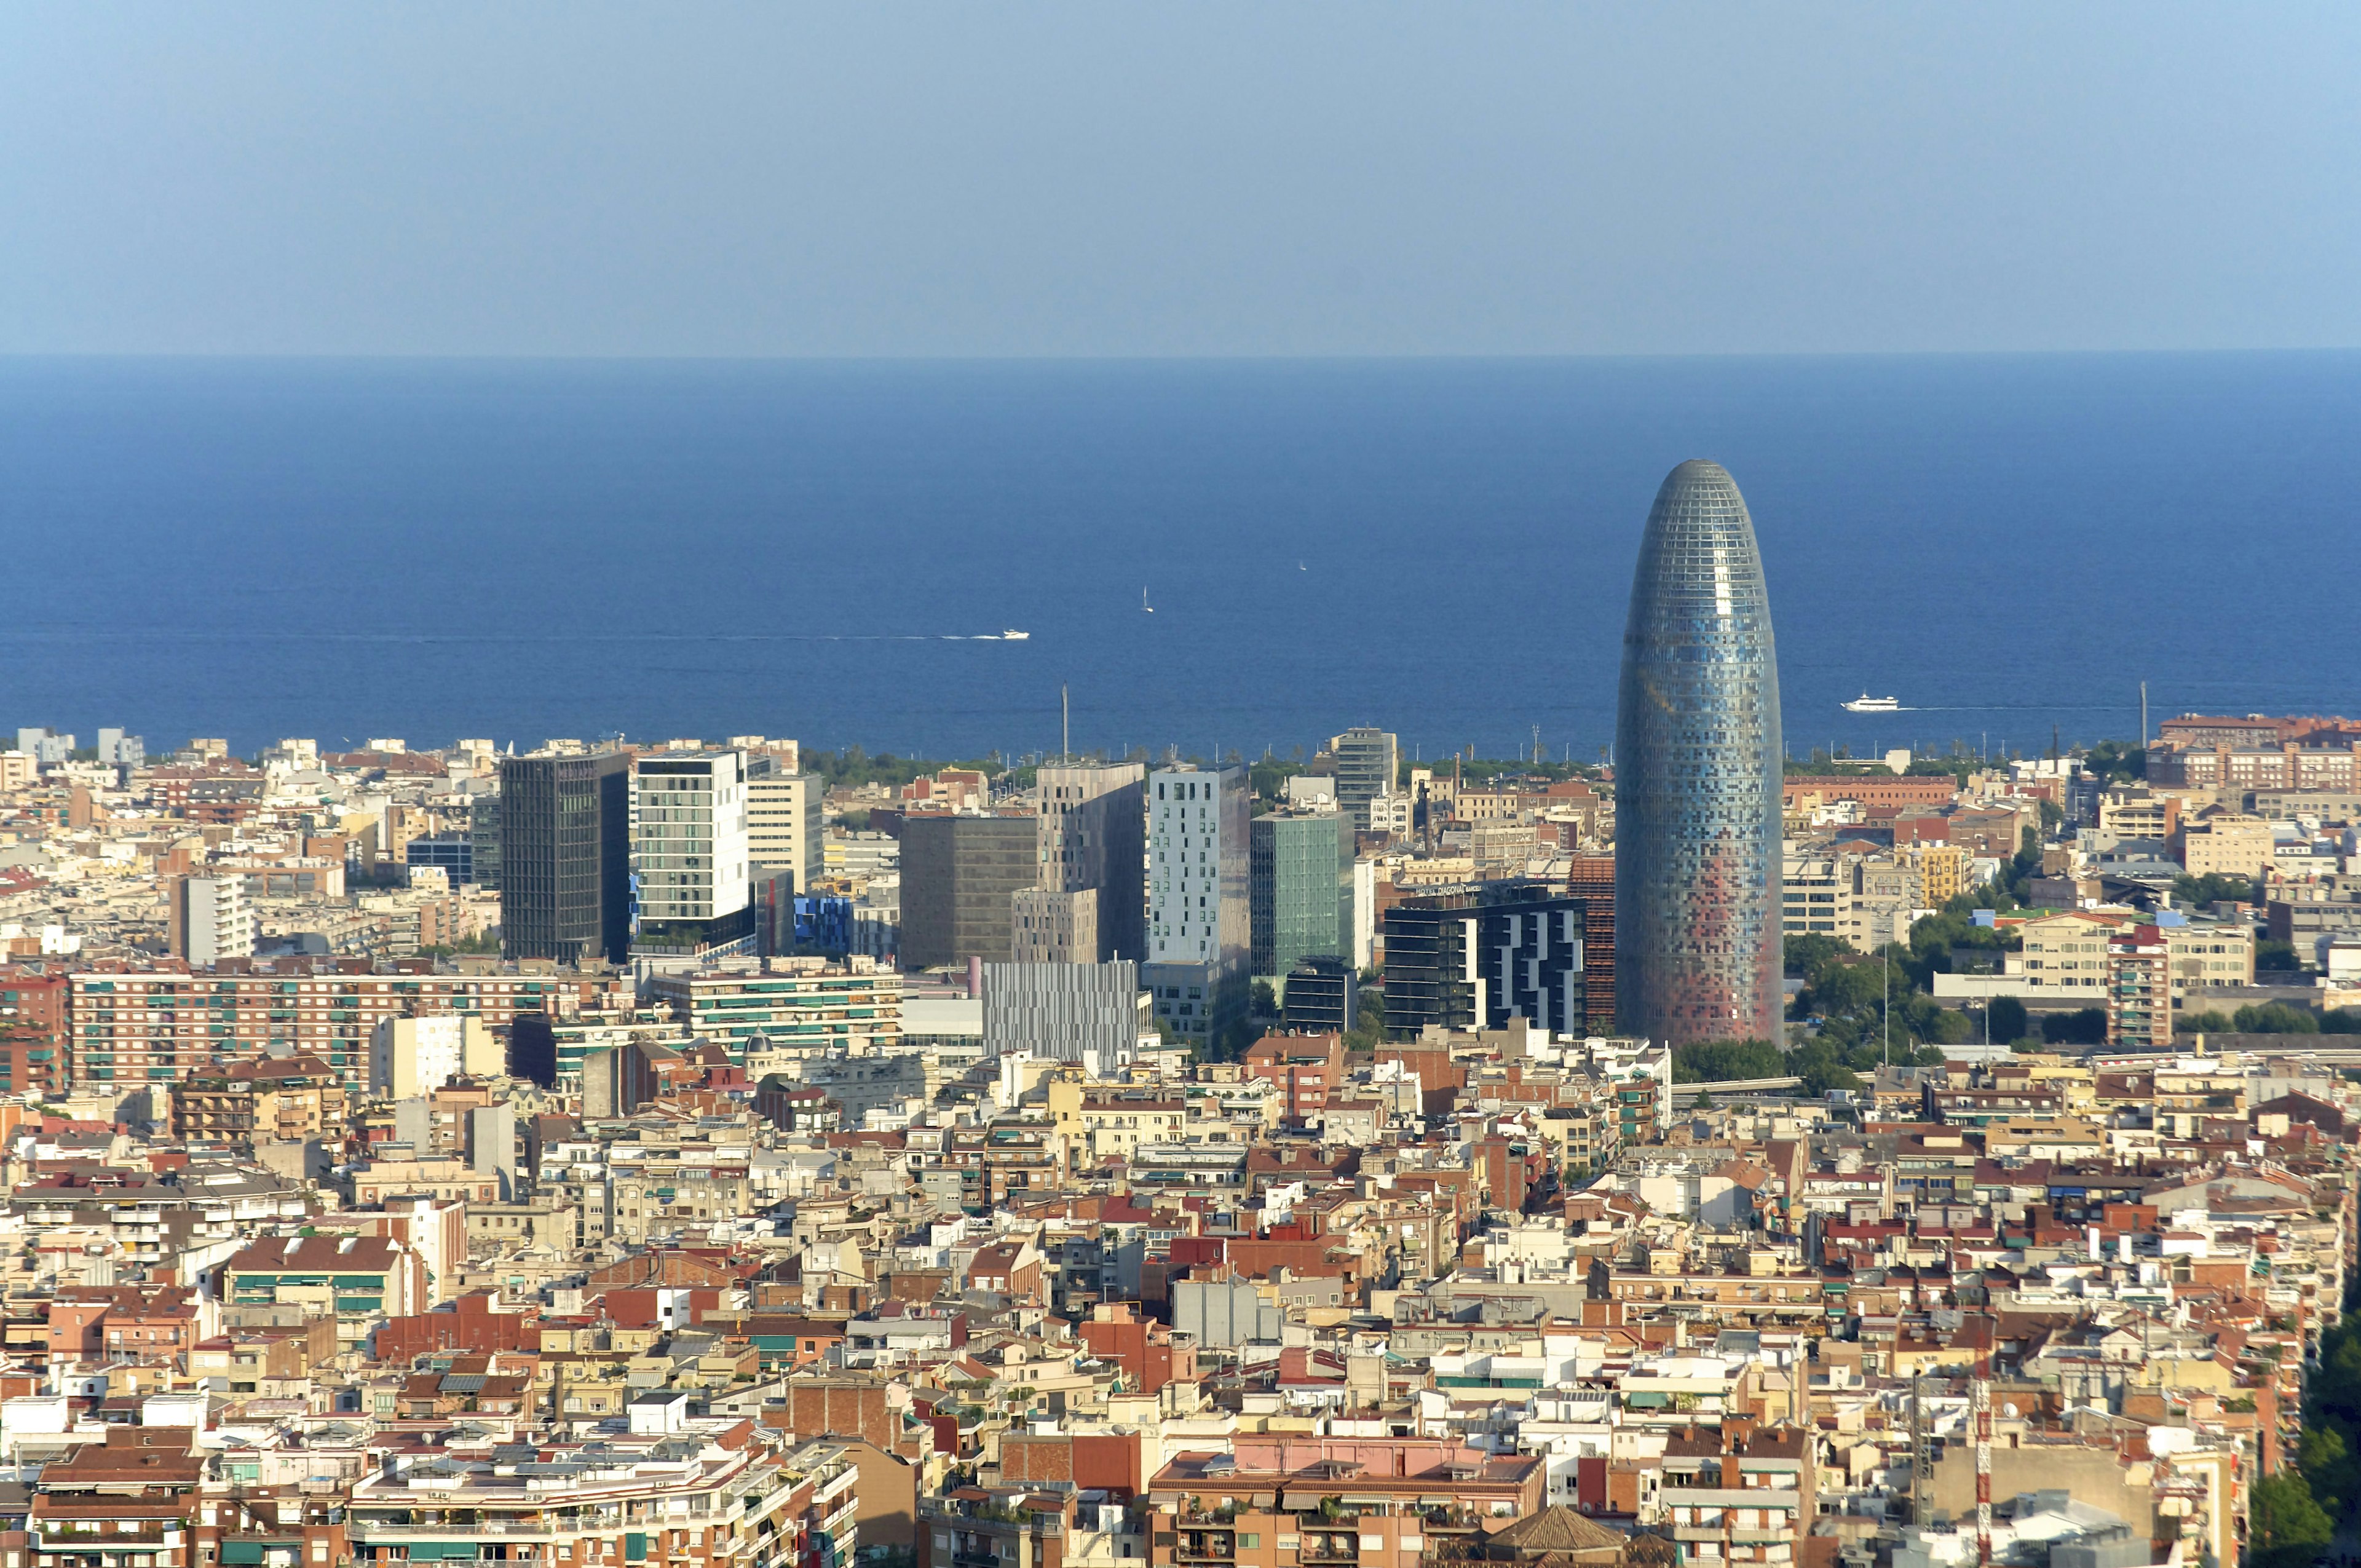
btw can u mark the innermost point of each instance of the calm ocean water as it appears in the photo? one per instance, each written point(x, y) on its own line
point(520, 550)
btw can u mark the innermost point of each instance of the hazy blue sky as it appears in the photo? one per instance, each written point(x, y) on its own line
point(1176, 179)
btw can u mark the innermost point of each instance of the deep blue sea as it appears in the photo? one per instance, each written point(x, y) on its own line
point(434, 549)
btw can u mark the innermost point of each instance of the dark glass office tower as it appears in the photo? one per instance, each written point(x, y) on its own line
point(958, 875)
point(566, 856)
point(1697, 776)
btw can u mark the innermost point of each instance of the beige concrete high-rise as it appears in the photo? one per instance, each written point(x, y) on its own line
point(1093, 838)
point(1051, 927)
point(786, 825)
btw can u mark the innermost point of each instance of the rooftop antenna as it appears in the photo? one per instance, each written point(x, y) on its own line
point(2143, 716)
point(1065, 724)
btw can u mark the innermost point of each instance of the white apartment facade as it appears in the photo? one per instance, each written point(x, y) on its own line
point(411, 1057)
point(1199, 934)
point(209, 919)
point(691, 864)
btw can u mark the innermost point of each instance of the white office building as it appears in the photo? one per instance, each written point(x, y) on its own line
point(47, 748)
point(691, 866)
point(1198, 921)
point(118, 749)
point(209, 920)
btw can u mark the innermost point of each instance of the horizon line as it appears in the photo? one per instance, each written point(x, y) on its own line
point(954, 357)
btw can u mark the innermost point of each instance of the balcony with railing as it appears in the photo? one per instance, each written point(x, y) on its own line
point(505, 1528)
point(69, 1536)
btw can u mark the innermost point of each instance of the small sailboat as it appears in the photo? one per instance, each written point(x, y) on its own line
point(1868, 704)
point(1146, 608)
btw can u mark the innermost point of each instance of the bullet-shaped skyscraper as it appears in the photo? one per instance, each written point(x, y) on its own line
point(1696, 775)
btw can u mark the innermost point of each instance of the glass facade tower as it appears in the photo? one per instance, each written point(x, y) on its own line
point(1298, 890)
point(566, 856)
point(1697, 776)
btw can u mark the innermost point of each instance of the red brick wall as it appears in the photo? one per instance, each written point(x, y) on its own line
point(823, 1408)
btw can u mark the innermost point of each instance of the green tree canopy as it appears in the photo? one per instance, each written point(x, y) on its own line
point(2274, 1018)
point(2086, 1027)
point(2212, 887)
point(2287, 1524)
point(1727, 1061)
point(2327, 1463)
point(2117, 761)
point(1817, 1063)
point(1806, 956)
point(2008, 1018)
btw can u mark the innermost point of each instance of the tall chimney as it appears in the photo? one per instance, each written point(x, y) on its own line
point(975, 976)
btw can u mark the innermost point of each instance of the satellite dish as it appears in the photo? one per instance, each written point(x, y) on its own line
point(2009, 1410)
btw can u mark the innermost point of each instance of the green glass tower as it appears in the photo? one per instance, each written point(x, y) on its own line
point(1299, 888)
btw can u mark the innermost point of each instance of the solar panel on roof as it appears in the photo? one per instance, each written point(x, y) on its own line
point(463, 1383)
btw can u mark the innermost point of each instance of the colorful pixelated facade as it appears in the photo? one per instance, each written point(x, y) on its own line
point(1696, 775)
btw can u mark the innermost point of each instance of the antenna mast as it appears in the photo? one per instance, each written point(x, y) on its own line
point(1065, 724)
point(1981, 1396)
